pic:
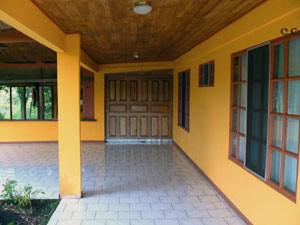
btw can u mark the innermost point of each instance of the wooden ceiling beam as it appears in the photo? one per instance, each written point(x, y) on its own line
point(87, 62)
point(14, 36)
point(27, 65)
point(27, 18)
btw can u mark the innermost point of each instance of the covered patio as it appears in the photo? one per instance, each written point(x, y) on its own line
point(153, 112)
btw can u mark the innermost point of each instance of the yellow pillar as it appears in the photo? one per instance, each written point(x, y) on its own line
point(68, 84)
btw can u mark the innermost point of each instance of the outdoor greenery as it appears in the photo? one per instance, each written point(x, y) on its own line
point(17, 207)
point(31, 105)
point(17, 102)
point(4, 103)
point(19, 196)
point(48, 102)
point(16, 98)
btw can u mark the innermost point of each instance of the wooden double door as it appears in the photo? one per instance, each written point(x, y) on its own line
point(138, 107)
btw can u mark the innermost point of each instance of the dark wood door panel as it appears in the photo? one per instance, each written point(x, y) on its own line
point(112, 90)
point(123, 126)
point(123, 90)
point(165, 126)
point(112, 126)
point(144, 90)
point(144, 126)
point(154, 126)
point(138, 107)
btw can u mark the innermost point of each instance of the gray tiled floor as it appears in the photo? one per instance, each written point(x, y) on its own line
point(122, 184)
point(34, 164)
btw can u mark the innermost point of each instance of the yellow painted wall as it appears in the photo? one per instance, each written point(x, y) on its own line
point(90, 130)
point(35, 131)
point(23, 131)
point(207, 143)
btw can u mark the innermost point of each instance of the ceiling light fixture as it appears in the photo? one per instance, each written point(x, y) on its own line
point(142, 7)
point(136, 55)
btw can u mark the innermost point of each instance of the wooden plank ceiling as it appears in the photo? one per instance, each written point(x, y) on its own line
point(112, 32)
point(17, 51)
point(26, 52)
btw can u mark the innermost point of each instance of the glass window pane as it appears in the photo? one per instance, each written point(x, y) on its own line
point(290, 173)
point(183, 98)
point(244, 67)
point(278, 66)
point(257, 80)
point(4, 103)
point(253, 155)
point(278, 92)
point(255, 124)
point(236, 69)
point(292, 135)
point(294, 57)
point(265, 96)
point(256, 95)
point(275, 166)
point(235, 120)
point(242, 149)
point(48, 102)
point(17, 103)
point(243, 95)
point(243, 121)
point(235, 94)
point(31, 103)
point(277, 131)
point(294, 97)
point(233, 145)
point(206, 75)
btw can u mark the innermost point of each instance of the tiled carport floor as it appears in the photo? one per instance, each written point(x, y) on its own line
point(122, 184)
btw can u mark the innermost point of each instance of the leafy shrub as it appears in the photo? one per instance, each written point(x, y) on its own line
point(21, 196)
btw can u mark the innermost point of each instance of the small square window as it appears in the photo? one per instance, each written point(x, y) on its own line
point(206, 74)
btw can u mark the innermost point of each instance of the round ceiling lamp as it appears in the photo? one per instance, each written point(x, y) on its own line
point(136, 55)
point(142, 7)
